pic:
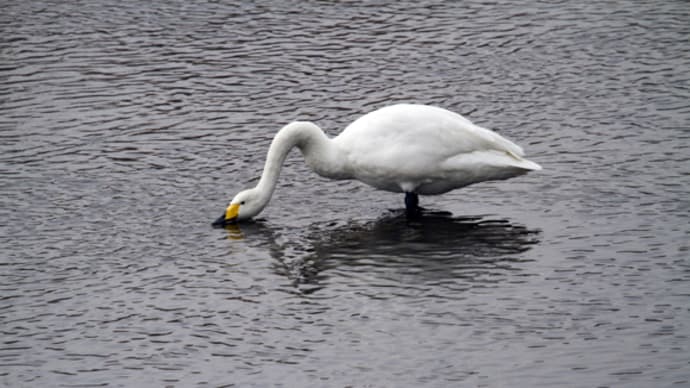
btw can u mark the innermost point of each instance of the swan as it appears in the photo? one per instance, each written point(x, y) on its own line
point(404, 148)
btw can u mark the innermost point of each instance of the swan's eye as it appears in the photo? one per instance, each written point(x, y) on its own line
point(242, 203)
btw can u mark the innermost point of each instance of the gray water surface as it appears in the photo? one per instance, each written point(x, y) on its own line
point(125, 128)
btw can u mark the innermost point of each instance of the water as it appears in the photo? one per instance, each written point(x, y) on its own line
point(126, 127)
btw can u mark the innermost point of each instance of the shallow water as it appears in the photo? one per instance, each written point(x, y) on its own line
point(125, 128)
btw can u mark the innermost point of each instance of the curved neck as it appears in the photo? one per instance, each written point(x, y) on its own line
point(316, 147)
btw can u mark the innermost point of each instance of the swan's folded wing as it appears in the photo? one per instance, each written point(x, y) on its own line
point(489, 164)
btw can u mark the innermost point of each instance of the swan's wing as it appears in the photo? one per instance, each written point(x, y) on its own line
point(399, 132)
point(490, 160)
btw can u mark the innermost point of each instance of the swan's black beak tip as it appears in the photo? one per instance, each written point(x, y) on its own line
point(220, 222)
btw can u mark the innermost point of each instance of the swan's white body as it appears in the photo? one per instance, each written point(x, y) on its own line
point(407, 148)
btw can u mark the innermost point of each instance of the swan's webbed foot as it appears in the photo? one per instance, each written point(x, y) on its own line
point(412, 208)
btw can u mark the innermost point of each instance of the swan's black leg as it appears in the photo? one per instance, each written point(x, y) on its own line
point(412, 205)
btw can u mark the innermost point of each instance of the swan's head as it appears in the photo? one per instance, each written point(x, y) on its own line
point(245, 205)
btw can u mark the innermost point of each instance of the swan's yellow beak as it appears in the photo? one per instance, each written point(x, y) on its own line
point(232, 211)
point(230, 215)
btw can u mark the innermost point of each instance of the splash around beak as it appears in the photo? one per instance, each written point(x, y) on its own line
point(229, 217)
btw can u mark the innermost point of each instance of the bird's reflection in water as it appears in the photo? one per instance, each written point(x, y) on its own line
point(234, 232)
point(434, 247)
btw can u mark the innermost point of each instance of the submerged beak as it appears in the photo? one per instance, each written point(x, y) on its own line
point(230, 216)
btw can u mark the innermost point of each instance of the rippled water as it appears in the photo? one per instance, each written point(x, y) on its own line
point(125, 127)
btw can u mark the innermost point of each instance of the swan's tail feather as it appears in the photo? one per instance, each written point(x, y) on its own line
point(490, 165)
point(523, 163)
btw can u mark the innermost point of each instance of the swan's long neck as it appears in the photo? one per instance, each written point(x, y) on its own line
point(319, 152)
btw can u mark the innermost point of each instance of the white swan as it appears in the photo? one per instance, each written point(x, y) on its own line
point(412, 149)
